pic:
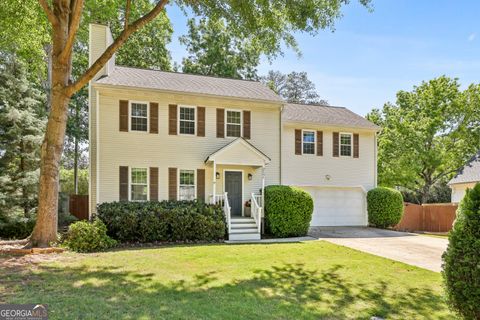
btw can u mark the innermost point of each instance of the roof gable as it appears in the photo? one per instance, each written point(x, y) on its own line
point(239, 152)
point(469, 173)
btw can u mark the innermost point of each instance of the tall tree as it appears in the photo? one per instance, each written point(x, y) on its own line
point(22, 121)
point(294, 87)
point(214, 49)
point(427, 135)
point(274, 19)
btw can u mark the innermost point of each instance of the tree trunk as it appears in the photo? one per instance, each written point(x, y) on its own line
point(45, 230)
point(75, 166)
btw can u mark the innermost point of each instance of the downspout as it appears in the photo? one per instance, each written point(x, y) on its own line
point(280, 141)
point(375, 168)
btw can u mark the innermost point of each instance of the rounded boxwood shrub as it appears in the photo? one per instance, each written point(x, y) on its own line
point(385, 207)
point(85, 236)
point(461, 260)
point(288, 211)
point(152, 221)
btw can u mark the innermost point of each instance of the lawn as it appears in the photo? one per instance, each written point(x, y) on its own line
point(309, 280)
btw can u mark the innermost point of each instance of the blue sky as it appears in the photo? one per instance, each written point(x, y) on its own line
point(372, 55)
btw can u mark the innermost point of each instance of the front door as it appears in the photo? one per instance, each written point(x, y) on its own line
point(233, 187)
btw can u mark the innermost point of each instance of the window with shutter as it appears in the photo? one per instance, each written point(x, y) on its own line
point(123, 112)
point(138, 116)
point(186, 120)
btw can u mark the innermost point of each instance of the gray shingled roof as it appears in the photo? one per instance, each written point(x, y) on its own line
point(325, 115)
point(189, 83)
point(470, 172)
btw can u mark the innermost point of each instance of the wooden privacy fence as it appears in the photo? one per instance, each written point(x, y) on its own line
point(78, 206)
point(434, 217)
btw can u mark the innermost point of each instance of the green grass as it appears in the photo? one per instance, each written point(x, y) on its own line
point(435, 235)
point(310, 280)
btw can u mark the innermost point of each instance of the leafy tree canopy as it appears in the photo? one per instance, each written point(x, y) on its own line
point(294, 87)
point(214, 49)
point(427, 135)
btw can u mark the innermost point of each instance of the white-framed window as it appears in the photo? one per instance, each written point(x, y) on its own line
point(186, 118)
point(233, 123)
point(186, 186)
point(346, 144)
point(138, 184)
point(138, 116)
point(308, 142)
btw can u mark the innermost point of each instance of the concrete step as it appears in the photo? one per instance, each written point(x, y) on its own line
point(244, 230)
point(241, 220)
point(244, 225)
point(243, 236)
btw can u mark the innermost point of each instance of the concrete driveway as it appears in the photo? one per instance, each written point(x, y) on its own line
point(418, 250)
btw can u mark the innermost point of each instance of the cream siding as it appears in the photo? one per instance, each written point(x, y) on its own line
point(459, 190)
point(139, 149)
point(312, 170)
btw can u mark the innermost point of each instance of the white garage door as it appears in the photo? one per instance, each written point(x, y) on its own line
point(337, 206)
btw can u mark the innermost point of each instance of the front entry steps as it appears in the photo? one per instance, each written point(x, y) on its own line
point(243, 228)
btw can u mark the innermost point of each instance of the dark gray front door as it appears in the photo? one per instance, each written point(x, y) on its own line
point(233, 187)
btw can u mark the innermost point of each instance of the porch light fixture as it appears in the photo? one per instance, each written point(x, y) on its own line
point(250, 177)
point(328, 177)
point(217, 175)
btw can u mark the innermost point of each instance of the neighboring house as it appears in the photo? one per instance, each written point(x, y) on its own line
point(158, 135)
point(465, 179)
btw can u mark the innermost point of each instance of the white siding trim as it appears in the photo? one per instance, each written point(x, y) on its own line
point(97, 138)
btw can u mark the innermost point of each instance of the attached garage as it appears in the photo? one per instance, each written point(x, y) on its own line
point(338, 206)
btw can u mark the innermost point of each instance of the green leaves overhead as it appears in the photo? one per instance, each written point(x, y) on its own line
point(427, 135)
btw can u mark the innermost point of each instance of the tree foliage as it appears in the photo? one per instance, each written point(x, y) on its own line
point(427, 135)
point(22, 121)
point(294, 87)
point(214, 49)
point(274, 21)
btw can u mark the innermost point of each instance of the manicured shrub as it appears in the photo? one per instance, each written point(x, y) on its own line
point(162, 221)
point(385, 207)
point(85, 236)
point(288, 211)
point(461, 260)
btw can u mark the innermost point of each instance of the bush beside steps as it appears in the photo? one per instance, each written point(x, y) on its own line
point(288, 211)
point(164, 221)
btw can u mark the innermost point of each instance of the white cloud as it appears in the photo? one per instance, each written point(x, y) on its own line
point(472, 37)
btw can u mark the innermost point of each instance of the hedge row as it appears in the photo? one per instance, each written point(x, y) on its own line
point(162, 221)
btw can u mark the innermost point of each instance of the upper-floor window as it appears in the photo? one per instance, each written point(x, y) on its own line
point(138, 116)
point(308, 142)
point(234, 123)
point(186, 185)
point(187, 120)
point(138, 184)
point(346, 144)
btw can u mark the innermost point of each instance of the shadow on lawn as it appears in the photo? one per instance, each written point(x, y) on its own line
point(281, 292)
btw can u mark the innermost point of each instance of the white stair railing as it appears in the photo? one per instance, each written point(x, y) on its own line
point(256, 211)
point(226, 210)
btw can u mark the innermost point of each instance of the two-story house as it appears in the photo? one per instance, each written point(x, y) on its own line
point(158, 135)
